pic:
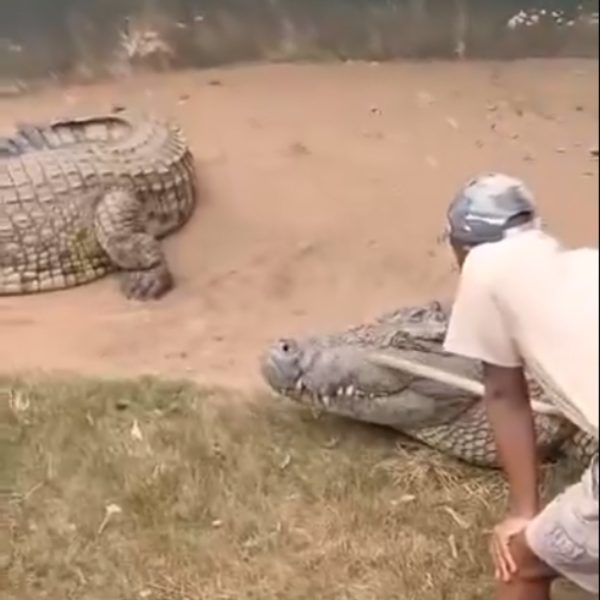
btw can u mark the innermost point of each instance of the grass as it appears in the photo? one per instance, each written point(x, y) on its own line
point(150, 490)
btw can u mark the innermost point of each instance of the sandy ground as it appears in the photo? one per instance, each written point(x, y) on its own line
point(324, 195)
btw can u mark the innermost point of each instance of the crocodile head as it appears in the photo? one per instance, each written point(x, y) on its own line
point(336, 372)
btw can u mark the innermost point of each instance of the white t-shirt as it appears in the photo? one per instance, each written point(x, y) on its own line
point(525, 300)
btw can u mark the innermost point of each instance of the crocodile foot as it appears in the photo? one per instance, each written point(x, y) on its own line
point(149, 284)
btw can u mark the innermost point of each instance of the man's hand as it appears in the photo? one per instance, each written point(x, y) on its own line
point(504, 564)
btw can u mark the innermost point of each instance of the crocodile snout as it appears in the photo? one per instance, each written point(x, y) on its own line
point(281, 365)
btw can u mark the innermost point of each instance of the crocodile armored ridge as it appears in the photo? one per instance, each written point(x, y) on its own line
point(337, 374)
point(86, 196)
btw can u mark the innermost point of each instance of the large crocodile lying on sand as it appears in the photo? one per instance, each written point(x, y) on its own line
point(354, 374)
point(82, 197)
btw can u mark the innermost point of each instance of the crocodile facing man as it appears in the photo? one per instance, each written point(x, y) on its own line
point(523, 299)
point(522, 334)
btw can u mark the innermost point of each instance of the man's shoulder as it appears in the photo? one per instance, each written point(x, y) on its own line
point(512, 251)
point(485, 259)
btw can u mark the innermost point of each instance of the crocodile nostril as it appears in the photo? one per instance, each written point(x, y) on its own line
point(285, 347)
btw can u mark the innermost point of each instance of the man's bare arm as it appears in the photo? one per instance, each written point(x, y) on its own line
point(509, 412)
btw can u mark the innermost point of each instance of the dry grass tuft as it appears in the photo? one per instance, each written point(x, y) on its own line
point(161, 491)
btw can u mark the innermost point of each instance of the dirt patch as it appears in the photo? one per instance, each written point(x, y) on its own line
point(325, 189)
point(153, 491)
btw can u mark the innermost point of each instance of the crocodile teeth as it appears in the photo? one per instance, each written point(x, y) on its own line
point(325, 400)
point(350, 390)
point(340, 391)
point(299, 384)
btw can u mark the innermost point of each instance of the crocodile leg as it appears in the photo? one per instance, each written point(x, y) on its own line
point(120, 231)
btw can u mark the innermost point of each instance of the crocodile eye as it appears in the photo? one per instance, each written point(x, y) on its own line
point(285, 347)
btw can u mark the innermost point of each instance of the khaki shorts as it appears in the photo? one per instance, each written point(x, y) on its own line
point(565, 534)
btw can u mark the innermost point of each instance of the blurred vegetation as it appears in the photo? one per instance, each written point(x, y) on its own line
point(41, 37)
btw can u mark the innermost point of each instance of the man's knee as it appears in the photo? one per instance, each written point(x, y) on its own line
point(529, 566)
point(565, 535)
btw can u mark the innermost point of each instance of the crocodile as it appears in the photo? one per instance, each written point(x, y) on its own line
point(85, 196)
point(341, 374)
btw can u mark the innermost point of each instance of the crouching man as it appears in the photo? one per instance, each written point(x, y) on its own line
point(522, 299)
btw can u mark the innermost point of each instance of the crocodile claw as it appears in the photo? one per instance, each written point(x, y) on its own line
point(150, 284)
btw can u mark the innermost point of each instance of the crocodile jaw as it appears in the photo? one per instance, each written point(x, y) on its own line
point(295, 368)
point(341, 380)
